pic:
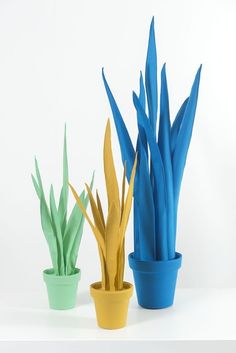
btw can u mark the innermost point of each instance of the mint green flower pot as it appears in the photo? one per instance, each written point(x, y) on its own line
point(62, 290)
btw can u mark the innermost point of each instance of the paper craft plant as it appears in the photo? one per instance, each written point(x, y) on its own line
point(161, 159)
point(63, 234)
point(110, 233)
point(111, 295)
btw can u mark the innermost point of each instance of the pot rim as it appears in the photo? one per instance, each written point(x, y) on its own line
point(128, 288)
point(155, 266)
point(49, 276)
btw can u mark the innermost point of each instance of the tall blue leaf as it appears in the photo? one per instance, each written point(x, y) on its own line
point(165, 150)
point(146, 210)
point(174, 134)
point(141, 134)
point(136, 219)
point(142, 97)
point(151, 78)
point(184, 136)
point(127, 150)
point(177, 124)
point(159, 175)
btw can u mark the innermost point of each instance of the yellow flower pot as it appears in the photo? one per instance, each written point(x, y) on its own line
point(111, 306)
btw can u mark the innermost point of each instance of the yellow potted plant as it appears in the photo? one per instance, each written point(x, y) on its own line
point(112, 294)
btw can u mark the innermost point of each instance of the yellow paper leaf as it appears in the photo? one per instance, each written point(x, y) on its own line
point(121, 265)
point(96, 232)
point(128, 203)
point(100, 208)
point(112, 243)
point(96, 214)
point(109, 171)
point(103, 268)
point(123, 192)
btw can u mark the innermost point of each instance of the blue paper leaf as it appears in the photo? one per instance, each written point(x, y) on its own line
point(141, 134)
point(177, 124)
point(127, 150)
point(142, 97)
point(151, 78)
point(184, 136)
point(147, 239)
point(165, 150)
point(159, 176)
point(136, 220)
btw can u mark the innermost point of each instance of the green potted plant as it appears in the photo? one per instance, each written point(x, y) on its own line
point(111, 295)
point(63, 235)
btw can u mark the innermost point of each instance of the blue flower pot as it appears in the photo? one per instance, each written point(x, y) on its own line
point(155, 281)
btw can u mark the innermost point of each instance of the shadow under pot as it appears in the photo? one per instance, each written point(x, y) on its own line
point(155, 281)
point(62, 290)
point(111, 306)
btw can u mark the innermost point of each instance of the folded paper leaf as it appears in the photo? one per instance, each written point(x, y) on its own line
point(127, 151)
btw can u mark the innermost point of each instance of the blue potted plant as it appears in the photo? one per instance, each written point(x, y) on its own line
point(161, 162)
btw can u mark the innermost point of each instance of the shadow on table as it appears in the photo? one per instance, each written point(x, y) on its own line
point(84, 298)
point(139, 315)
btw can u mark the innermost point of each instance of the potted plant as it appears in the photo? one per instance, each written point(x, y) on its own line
point(111, 295)
point(63, 237)
point(161, 162)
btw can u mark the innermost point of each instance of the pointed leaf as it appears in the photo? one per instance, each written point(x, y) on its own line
point(96, 232)
point(71, 232)
point(91, 187)
point(123, 192)
point(165, 150)
point(121, 266)
point(184, 136)
point(63, 201)
point(112, 243)
point(147, 211)
point(155, 153)
point(57, 231)
point(151, 78)
point(100, 208)
point(177, 124)
point(128, 203)
point(36, 187)
point(127, 150)
point(109, 171)
point(95, 211)
point(160, 194)
point(77, 240)
point(38, 174)
point(141, 134)
point(103, 269)
point(48, 231)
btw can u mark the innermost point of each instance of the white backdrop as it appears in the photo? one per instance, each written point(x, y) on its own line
point(51, 55)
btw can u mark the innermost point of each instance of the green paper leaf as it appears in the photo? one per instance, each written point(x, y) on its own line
point(63, 201)
point(71, 233)
point(57, 231)
point(77, 240)
point(48, 231)
point(37, 189)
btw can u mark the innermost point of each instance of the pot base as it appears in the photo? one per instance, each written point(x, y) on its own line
point(111, 306)
point(62, 290)
point(155, 281)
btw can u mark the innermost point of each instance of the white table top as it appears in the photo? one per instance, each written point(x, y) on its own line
point(198, 315)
